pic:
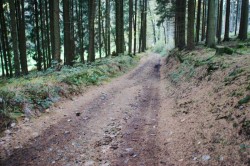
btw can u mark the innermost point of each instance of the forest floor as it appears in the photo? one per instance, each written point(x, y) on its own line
point(163, 112)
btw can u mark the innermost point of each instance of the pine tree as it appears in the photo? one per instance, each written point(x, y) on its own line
point(211, 24)
point(92, 10)
point(119, 26)
point(244, 20)
point(190, 33)
point(14, 37)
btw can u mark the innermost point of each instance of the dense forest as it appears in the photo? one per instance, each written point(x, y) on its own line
point(68, 31)
point(47, 33)
point(124, 82)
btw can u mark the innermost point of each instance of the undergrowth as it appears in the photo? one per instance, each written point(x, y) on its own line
point(39, 90)
point(228, 74)
point(161, 49)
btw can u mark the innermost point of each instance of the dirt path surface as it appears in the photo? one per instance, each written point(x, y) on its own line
point(140, 119)
point(116, 124)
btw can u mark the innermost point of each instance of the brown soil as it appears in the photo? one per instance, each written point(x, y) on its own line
point(141, 118)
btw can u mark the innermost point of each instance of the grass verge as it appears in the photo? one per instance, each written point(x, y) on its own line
point(31, 95)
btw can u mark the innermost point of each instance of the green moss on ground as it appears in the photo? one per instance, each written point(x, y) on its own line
point(39, 90)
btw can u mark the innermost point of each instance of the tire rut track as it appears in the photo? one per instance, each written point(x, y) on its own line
point(75, 143)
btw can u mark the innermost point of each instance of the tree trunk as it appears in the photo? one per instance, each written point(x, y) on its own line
point(80, 31)
point(99, 29)
point(153, 24)
point(6, 45)
point(119, 27)
point(244, 20)
point(220, 21)
point(14, 37)
point(22, 38)
point(3, 41)
point(204, 20)
point(52, 32)
point(190, 33)
point(108, 26)
point(56, 25)
point(198, 23)
point(67, 33)
point(226, 35)
point(48, 35)
point(92, 9)
point(130, 26)
point(237, 15)
point(42, 34)
point(165, 33)
point(144, 34)
point(1, 56)
point(181, 22)
point(135, 30)
point(211, 24)
point(39, 53)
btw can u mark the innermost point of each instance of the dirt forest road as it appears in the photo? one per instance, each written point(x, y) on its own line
point(120, 123)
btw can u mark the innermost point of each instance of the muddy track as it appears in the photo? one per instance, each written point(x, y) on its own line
point(117, 127)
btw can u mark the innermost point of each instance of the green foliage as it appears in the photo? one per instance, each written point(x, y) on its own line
point(39, 90)
point(160, 48)
point(244, 100)
point(186, 69)
point(237, 94)
point(233, 75)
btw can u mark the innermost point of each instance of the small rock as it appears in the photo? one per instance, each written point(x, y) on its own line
point(206, 157)
point(69, 120)
point(7, 132)
point(135, 155)
point(241, 107)
point(13, 125)
point(26, 119)
point(66, 132)
point(128, 150)
point(195, 158)
point(163, 162)
point(221, 158)
point(35, 134)
point(89, 163)
point(78, 113)
point(114, 146)
point(53, 162)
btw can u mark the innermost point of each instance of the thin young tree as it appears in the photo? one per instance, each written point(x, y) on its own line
point(135, 26)
point(204, 20)
point(130, 26)
point(198, 22)
point(237, 16)
point(107, 29)
point(226, 35)
point(57, 45)
point(92, 10)
point(99, 29)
